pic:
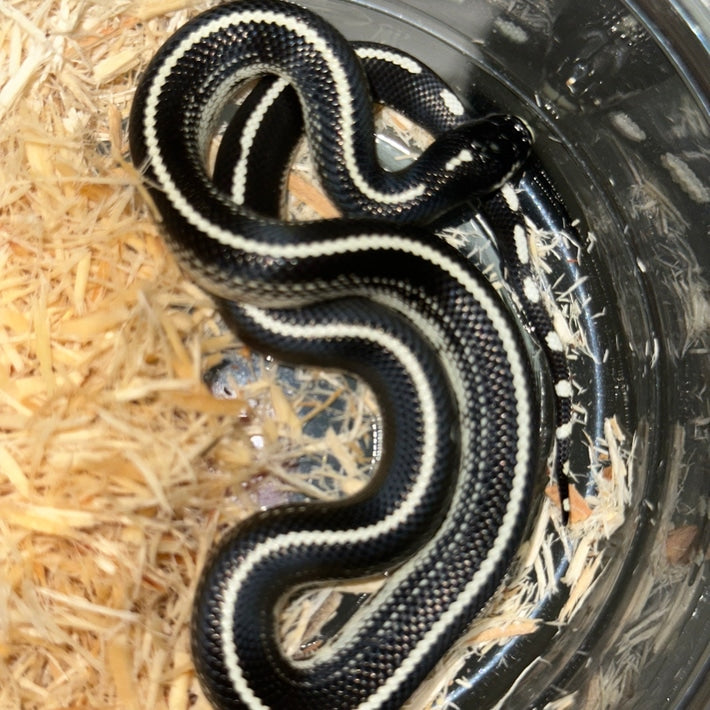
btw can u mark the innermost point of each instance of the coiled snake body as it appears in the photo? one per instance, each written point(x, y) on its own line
point(375, 293)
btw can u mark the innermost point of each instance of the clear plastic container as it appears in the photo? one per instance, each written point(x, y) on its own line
point(617, 94)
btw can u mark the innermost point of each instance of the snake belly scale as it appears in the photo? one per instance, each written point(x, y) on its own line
point(408, 313)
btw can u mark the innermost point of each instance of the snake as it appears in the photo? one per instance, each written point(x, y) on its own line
point(373, 293)
point(253, 162)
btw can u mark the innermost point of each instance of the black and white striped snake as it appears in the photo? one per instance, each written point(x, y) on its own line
point(375, 293)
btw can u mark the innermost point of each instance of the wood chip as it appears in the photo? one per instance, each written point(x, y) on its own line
point(680, 543)
point(579, 509)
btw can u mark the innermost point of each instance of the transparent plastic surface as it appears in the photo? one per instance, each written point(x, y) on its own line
point(617, 96)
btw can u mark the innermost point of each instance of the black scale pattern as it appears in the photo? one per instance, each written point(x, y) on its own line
point(387, 80)
point(390, 84)
point(475, 386)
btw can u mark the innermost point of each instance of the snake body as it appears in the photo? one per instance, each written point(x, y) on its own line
point(252, 166)
point(372, 293)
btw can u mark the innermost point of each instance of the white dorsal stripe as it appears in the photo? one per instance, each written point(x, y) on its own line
point(251, 128)
point(532, 292)
point(478, 580)
point(510, 197)
point(516, 359)
point(400, 60)
point(563, 388)
point(434, 335)
point(425, 397)
point(554, 342)
point(521, 244)
point(309, 36)
point(451, 101)
point(465, 156)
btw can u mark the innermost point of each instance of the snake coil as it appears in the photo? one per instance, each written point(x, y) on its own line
point(375, 293)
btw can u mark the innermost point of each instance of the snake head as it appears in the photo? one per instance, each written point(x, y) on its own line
point(492, 149)
point(473, 159)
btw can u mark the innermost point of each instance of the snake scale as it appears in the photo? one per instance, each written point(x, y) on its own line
point(375, 293)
